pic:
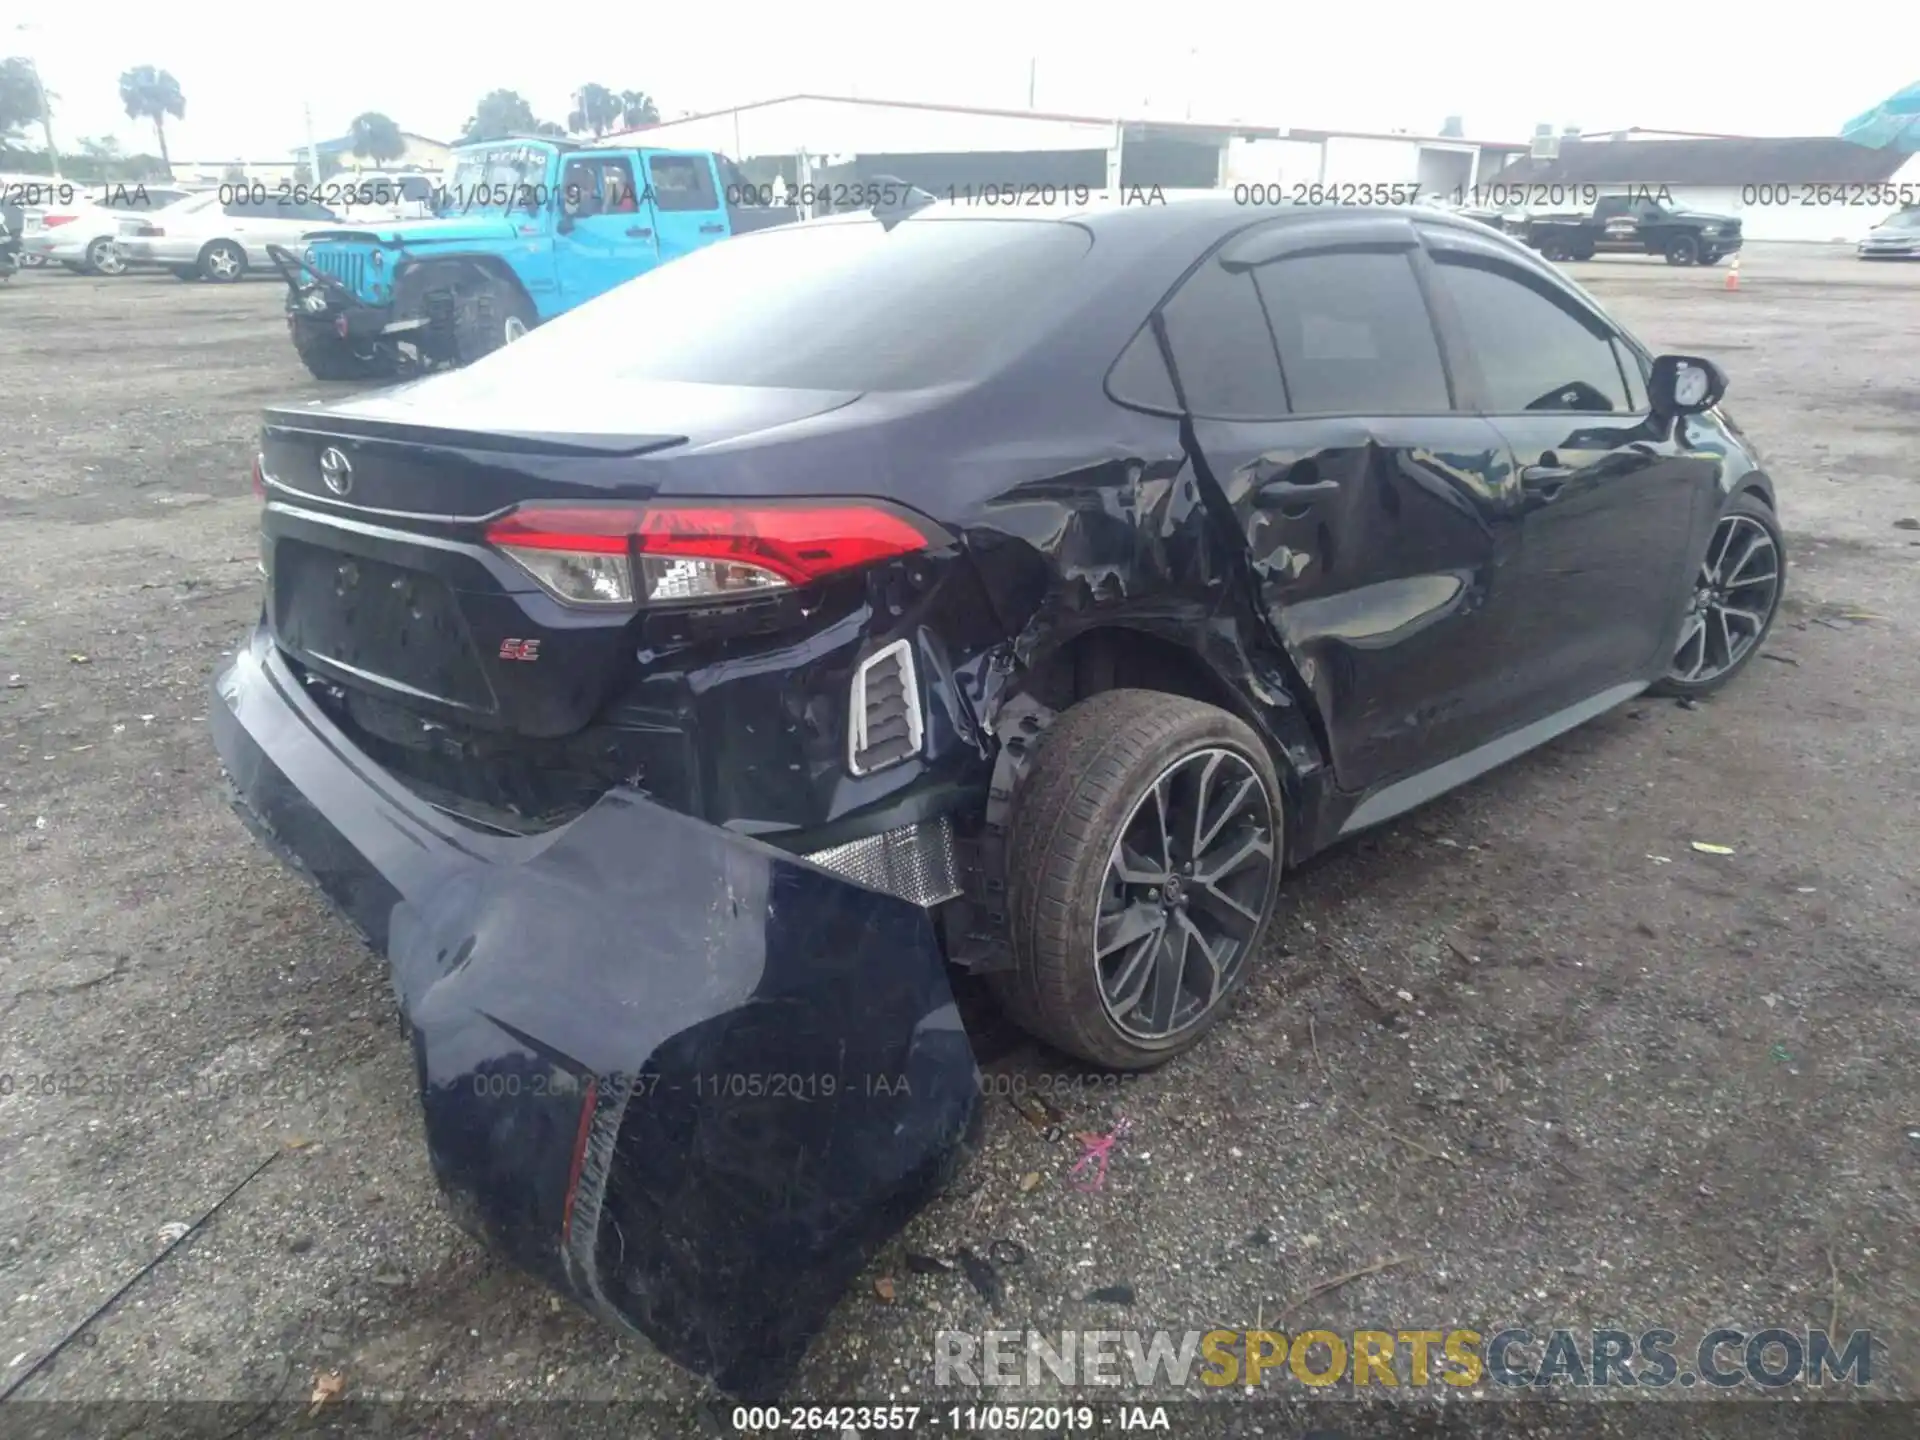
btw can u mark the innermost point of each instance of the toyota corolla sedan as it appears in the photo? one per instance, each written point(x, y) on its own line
point(679, 696)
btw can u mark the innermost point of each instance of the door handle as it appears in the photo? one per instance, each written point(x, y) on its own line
point(639, 232)
point(1544, 482)
point(1283, 494)
point(713, 229)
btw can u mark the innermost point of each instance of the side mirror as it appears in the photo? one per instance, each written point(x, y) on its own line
point(1685, 385)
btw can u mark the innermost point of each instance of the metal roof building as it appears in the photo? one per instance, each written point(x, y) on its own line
point(969, 149)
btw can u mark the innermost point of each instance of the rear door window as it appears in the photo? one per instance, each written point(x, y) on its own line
point(1354, 334)
point(1223, 348)
point(1535, 349)
point(682, 182)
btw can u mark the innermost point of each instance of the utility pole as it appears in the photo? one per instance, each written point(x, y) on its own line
point(313, 150)
point(1033, 67)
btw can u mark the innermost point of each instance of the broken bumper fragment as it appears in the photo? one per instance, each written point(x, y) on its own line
point(687, 1079)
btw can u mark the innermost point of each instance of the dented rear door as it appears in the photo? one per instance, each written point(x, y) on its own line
point(1380, 523)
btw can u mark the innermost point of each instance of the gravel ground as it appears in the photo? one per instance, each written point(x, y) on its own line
point(1635, 1084)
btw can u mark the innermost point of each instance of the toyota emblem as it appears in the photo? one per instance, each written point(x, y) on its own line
point(336, 470)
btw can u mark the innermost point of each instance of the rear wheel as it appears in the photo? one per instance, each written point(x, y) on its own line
point(185, 272)
point(223, 262)
point(1585, 252)
point(104, 257)
point(1682, 250)
point(1144, 864)
point(1711, 257)
point(1735, 596)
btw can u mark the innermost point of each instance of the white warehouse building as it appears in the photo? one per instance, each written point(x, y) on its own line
point(966, 150)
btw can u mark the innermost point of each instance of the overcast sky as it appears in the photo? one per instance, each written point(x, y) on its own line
point(1747, 69)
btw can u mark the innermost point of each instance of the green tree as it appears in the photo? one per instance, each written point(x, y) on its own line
point(19, 97)
point(377, 138)
point(596, 109)
point(150, 94)
point(637, 108)
point(500, 113)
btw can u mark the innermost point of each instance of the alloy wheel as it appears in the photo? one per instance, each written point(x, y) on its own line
point(1184, 892)
point(105, 257)
point(1732, 601)
point(223, 263)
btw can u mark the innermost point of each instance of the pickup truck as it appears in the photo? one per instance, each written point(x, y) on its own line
point(525, 229)
point(1635, 225)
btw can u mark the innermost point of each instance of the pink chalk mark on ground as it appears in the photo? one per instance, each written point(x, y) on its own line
point(1089, 1172)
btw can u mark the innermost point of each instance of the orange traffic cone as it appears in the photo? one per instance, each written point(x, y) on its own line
point(1733, 274)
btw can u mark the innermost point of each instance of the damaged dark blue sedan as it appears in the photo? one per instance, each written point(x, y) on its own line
point(679, 696)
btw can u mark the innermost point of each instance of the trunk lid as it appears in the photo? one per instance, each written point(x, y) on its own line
point(380, 579)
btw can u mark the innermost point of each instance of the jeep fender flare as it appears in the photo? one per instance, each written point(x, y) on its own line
point(415, 277)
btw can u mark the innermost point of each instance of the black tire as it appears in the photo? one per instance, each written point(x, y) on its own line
point(1747, 507)
point(222, 262)
point(328, 357)
point(185, 272)
point(1682, 250)
point(104, 257)
point(1553, 250)
point(1710, 257)
point(1585, 252)
point(1093, 769)
point(494, 314)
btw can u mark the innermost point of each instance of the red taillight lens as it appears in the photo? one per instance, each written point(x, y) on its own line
point(611, 555)
point(51, 221)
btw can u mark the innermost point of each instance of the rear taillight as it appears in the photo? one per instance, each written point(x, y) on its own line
point(260, 476)
point(50, 221)
point(662, 554)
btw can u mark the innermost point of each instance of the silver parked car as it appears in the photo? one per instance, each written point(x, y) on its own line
point(1895, 238)
point(222, 239)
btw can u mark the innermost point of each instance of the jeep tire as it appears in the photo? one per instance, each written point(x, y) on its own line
point(328, 357)
point(494, 313)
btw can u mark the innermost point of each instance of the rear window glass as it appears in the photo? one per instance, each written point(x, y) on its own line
point(833, 305)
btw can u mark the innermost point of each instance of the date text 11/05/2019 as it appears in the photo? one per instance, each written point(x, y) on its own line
point(802, 1087)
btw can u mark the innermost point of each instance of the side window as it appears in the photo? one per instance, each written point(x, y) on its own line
point(1139, 376)
point(1354, 334)
point(1534, 351)
point(1223, 348)
point(580, 189)
point(240, 209)
point(681, 182)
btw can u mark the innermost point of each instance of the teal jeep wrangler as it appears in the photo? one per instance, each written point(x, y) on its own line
point(524, 229)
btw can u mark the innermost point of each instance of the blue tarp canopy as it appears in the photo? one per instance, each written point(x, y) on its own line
point(1894, 123)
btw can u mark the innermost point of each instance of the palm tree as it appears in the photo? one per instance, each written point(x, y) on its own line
point(377, 138)
point(596, 108)
point(151, 94)
point(637, 108)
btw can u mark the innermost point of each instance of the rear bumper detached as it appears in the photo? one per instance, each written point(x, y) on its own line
point(690, 1081)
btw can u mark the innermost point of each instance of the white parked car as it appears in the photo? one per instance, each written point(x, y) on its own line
point(83, 235)
point(222, 235)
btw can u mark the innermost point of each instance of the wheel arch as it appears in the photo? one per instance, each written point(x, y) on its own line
point(416, 276)
point(1121, 654)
